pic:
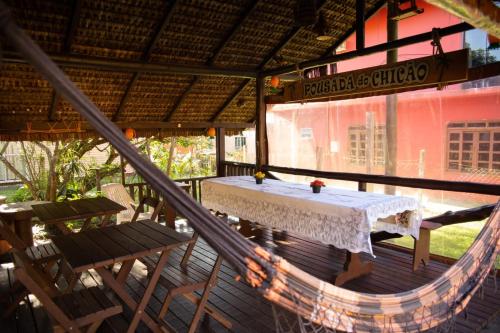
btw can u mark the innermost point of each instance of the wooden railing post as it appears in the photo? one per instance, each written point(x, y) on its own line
point(261, 130)
point(220, 151)
point(97, 179)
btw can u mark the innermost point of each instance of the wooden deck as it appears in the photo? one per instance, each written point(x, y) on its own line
point(246, 309)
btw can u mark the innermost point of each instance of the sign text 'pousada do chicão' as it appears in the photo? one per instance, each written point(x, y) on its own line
point(387, 79)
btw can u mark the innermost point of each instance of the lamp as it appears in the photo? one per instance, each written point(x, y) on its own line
point(211, 132)
point(321, 29)
point(130, 133)
point(305, 13)
point(275, 81)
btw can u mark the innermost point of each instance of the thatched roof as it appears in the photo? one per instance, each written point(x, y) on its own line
point(103, 45)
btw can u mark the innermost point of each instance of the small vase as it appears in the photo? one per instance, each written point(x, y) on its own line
point(316, 189)
point(258, 180)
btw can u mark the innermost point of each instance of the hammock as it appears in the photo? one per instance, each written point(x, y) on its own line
point(319, 306)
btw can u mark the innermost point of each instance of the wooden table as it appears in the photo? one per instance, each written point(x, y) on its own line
point(17, 216)
point(124, 243)
point(57, 213)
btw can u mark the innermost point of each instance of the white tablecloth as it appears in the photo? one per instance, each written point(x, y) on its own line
point(338, 217)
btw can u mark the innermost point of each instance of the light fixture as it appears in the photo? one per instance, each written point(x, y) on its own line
point(305, 13)
point(211, 132)
point(275, 81)
point(130, 133)
point(321, 29)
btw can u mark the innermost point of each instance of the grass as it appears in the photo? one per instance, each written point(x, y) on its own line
point(8, 192)
point(450, 241)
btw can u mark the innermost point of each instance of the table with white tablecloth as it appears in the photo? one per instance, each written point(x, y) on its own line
point(338, 217)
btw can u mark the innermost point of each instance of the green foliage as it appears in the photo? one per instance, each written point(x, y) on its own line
point(193, 156)
point(9, 192)
point(22, 194)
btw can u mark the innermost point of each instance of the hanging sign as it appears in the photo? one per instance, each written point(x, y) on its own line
point(387, 79)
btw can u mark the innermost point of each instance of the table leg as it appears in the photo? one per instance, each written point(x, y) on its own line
point(64, 228)
point(105, 220)
point(139, 310)
point(170, 215)
point(86, 224)
point(124, 271)
point(353, 268)
point(245, 228)
point(110, 281)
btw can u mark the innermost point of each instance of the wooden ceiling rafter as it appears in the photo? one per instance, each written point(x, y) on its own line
point(282, 43)
point(352, 30)
point(72, 26)
point(118, 65)
point(422, 37)
point(145, 57)
point(217, 52)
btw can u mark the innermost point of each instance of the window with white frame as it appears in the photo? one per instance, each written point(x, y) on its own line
point(359, 143)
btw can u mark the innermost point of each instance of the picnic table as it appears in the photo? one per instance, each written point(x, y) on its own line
point(58, 213)
point(124, 243)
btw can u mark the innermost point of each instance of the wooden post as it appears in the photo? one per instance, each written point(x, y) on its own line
point(122, 169)
point(261, 131)
point(391, 102)
point(97, 179)
point(360, 24)
point(220, 151)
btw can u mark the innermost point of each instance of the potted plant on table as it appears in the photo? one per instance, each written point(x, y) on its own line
point(259, 177)
point(317, 185)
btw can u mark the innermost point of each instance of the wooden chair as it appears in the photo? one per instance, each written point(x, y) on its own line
point(133, 212)
point(86, 308)
point(45, 257)
point(186, 277)
point(146, 205)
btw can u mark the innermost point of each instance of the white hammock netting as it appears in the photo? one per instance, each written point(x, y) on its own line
point(318, 306)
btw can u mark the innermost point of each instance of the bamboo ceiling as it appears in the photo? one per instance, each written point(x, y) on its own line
point(101, 44)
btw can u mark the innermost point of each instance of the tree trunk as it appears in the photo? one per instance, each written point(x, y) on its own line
point(171, 153)
point(29, 184)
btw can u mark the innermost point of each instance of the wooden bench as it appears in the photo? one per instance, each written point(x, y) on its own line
point(421, 249)
point(422, 245)
point(86, 308)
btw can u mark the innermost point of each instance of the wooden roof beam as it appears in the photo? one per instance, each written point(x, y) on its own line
point(450, 30)
point(282, 43)
point(216, 53)
point(70, 34)
point(159, 30)
point(54, 102)
point(180, 99)
point(73, 24)
point(118, 65)
point(145, 57)
point(17, 125)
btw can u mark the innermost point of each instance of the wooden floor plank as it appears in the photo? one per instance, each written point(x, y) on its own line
point(249, 312)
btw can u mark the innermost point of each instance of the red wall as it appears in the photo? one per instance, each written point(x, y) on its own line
point(422, 115)
point(375, 33)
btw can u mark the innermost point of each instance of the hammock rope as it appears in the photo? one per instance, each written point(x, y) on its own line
point(311, 305)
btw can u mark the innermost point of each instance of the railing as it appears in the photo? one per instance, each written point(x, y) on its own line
point(140, 190)
point(238, 169)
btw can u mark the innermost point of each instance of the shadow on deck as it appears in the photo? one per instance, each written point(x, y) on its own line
point(246, 309)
